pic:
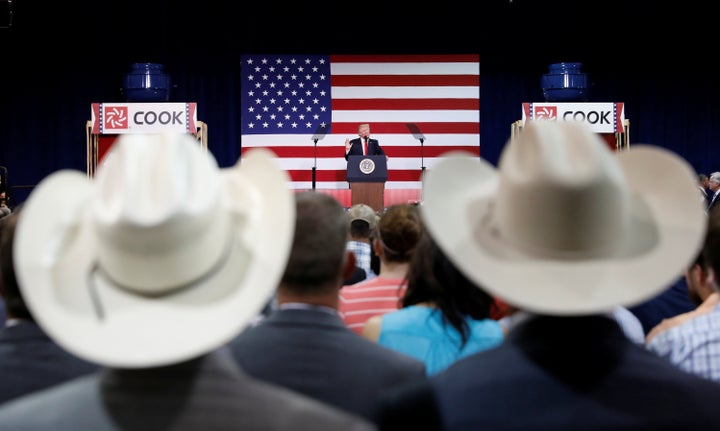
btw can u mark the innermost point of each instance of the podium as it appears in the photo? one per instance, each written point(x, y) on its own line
point(367, 176)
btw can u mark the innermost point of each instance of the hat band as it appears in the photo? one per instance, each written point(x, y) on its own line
point(96, 270)
point(489, 231)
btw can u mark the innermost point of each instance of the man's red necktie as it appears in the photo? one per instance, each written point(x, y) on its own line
point(366, 146)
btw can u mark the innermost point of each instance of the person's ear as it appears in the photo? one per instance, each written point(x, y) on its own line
point(377, 247)
point(695, 274)
point(710, 278)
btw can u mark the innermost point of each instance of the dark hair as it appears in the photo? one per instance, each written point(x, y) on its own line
point(432, 277)
point(317, 255)
point(359, 229)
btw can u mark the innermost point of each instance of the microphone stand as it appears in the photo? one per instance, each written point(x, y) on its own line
point(319, 134)
point(422, 167)
point(417, 134)
point(314, 169)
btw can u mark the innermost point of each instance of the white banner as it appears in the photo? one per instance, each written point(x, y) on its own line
point(601, 117)
point(122, 118)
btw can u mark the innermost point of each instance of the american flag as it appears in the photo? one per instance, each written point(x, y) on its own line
point(419, 107)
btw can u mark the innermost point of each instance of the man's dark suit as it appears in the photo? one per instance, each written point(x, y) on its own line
point(357, 276)
point(314, 352)
point(552, 373)
point(374, 148)
point(714, 199)
point(209, 393)
point(30, 361)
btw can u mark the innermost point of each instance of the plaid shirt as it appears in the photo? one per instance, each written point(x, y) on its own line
point(693, 346)
point(362, 254)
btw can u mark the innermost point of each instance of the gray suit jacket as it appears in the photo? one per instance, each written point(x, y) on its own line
point(314, 352)
point(208, 393)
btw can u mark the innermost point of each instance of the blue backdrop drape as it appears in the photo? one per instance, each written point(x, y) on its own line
point(56, 61)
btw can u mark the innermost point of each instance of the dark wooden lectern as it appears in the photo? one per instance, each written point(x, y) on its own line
point(367, 176)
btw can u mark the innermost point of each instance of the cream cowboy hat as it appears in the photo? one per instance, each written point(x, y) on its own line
point(161, 258)
point(566, 226)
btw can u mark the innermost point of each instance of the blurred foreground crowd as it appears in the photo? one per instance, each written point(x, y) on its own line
point(511, 298)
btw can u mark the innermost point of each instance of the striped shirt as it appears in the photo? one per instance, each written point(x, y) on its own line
point(361, 301)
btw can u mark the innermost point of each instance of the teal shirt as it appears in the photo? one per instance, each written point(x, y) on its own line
point(419, 332)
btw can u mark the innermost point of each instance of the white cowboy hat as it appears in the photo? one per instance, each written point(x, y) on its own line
point(566, 226)
point(162, 258)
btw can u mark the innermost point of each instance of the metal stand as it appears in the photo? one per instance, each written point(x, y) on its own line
point(314, 168)
point(318, 135)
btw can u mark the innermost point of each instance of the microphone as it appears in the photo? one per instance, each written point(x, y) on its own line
point(319, 133)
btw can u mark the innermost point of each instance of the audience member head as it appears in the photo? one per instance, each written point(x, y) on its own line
point(4, 208)
point(433, 278)
point(398, 232)
point(363, 221)
point(714, 181)
point(161, 258)
point(709, 259)
point(15, 307)
point(565, 226)
point(698, 279)
point(318, 261)
point(703, 180)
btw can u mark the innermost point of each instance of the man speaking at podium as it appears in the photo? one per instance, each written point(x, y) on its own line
point(363, 145)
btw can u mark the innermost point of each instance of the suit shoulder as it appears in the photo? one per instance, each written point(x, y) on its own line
point(388, 357)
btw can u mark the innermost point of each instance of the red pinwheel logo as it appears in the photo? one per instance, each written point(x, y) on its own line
point(546, 113)
point(116, 117)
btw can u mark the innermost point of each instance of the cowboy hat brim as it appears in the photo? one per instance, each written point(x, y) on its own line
point(666, 229)
point(89, 315)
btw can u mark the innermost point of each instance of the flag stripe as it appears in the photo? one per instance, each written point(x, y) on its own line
point(338, 151)
point(414, 117)
point(406, 80)
point(404, 104)
point(303, 107)
point(336, 140)
point(307, 163)
point(406, 58)
point(379, 92)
